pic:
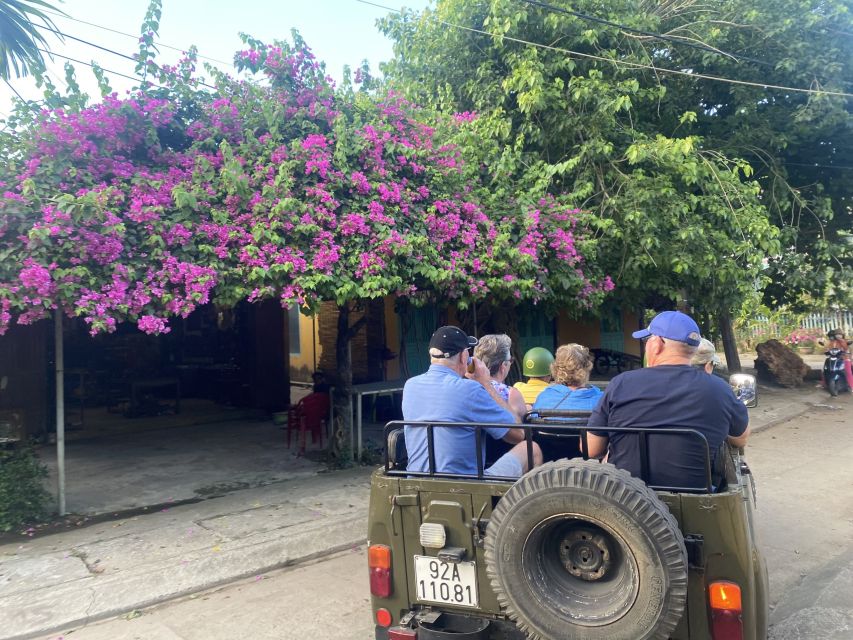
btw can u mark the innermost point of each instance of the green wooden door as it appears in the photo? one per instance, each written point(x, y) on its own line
point(416, 328)
point(535, 329)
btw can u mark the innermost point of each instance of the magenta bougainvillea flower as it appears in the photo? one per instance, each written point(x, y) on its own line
point(141, 208)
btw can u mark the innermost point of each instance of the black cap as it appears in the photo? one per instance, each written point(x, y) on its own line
point(451, 340)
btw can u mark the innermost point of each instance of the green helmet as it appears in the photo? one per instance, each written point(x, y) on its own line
point(537, 363)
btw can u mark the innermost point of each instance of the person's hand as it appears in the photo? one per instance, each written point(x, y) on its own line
point(481, 372)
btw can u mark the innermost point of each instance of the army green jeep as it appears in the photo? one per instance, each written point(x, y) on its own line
point(575, 549)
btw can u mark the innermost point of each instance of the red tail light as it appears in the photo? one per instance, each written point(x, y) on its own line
point(726, 606)
point(383, 618)
point(379, 563)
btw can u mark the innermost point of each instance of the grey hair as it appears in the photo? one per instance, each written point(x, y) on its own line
point(494, 349)
point(438, 354)
point(706, 352)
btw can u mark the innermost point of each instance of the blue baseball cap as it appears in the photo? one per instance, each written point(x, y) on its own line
point(672, 325)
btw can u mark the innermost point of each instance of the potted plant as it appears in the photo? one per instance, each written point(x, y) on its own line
point(803, 340)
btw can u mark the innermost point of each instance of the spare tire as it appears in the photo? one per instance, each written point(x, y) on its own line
point(580, 549)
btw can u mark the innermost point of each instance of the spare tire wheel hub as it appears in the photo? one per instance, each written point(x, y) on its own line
point(586, 554)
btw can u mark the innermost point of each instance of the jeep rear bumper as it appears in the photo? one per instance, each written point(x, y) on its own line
point(460, 627)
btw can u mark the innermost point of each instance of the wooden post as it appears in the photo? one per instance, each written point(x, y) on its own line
point(60, 410)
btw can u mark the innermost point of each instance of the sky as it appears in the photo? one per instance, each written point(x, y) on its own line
point(339, 31)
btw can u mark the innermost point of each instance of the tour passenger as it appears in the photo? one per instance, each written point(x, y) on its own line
point(669, 392)
point(706, 357)
point(448, 393)
point(570, 391)
point(536, 367)
point(495, 350)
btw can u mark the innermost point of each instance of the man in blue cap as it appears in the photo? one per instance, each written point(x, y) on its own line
point(669, 392)
point(451, 392)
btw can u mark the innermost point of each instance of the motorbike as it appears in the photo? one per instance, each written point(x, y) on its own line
point(833, 371)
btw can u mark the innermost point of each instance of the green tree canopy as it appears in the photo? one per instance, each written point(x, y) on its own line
point(672, 212)
point(800, 144)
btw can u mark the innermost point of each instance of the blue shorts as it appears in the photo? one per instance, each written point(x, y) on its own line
point(507, 465)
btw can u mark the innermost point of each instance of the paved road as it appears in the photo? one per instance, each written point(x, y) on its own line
point(324, 600)
point(804, 470)
point(805, 474)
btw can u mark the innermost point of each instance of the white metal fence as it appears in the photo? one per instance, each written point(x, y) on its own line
point(822, 322)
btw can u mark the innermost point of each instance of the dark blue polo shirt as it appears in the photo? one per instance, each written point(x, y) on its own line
point(668, 396)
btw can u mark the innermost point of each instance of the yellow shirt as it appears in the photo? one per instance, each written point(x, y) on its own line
point(531, 389)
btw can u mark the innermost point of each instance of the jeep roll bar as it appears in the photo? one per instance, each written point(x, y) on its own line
point(552, 423)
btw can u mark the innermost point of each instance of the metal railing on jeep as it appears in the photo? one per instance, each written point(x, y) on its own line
point(539, 424)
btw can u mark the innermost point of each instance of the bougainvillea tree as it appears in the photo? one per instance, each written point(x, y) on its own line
point(277, 185)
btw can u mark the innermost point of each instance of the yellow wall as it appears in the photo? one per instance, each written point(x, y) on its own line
point(587, 331)
point(583, 331)
point(310, 350)
point(630, 324)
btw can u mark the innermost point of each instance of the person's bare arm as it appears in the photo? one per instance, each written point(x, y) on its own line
point(739, 441)
point(514, 436)
point(596, 445)
point(481, 374)
point(516, 402)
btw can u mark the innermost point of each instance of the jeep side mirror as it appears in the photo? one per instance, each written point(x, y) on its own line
point(745, 388)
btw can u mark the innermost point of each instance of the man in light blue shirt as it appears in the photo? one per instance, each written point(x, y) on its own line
point(447, 392)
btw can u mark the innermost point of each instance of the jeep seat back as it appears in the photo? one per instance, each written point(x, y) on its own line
point(397, 454)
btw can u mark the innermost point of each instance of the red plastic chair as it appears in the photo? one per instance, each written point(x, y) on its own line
point(309, 415)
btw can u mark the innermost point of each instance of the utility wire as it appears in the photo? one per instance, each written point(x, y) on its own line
point(651, 34)
point(89, 64)
point(635, 65)
point(136, 38)
point(9, 84)
point(106, 49)
point(91, 44)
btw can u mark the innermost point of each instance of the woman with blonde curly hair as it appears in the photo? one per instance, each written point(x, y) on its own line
point(570, 374)
point(569, 391)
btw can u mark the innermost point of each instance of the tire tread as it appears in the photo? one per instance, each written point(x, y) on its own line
point(619, 486)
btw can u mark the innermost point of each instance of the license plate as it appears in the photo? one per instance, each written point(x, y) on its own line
point(446, 582)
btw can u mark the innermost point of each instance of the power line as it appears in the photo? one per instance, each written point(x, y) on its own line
point(9, 84)
point(635, 65)
point(91, 44)
point(651, 34)
point(136, 38)
point(108, 50)
point(89, 64)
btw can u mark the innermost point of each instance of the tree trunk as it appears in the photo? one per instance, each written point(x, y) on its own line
point(340, 444)
point(729, 342)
